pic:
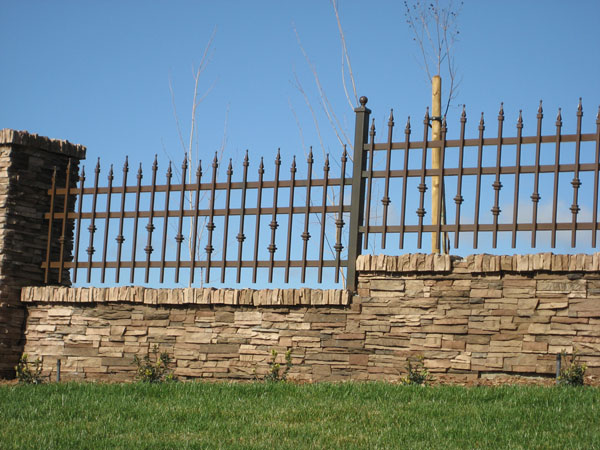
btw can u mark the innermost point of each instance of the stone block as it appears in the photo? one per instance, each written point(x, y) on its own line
point(387, 284)
point(446, 329)
point(218, 348)
point(533, 346)
point(320, 371)
point(453, 344)
point(461, 362)
point(86, 350)
point(552, 304)
point(57, 311)
point(358, 359)
point(248, 317)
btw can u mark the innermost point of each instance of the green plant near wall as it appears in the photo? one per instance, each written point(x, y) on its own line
point(573, 372)
point(276, 373)
point(29, 372)
point(155, 368)
point(417, 373)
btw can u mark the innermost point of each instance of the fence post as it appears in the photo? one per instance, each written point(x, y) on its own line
point(361, 129)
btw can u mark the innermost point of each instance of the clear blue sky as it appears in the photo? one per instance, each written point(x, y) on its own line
point(98, 73)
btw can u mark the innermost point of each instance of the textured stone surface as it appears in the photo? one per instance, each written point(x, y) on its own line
point(481, 263)
point(26, 165)
point(471, 317)
point(186, 296)
point(31, 140)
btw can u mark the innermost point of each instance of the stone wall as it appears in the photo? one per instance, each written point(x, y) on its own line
point(467, 317)
point(26, 165)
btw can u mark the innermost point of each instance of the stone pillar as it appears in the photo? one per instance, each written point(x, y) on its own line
point(26, 165)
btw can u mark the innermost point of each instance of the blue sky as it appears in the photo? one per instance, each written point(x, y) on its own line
point(99, 73)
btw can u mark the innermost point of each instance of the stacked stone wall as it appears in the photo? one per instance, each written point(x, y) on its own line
point(468, 318)
point(27, 162)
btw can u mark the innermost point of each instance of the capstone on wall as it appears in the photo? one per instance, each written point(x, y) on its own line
point(467, 317)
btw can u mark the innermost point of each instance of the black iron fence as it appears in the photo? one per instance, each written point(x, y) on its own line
point(203, 223)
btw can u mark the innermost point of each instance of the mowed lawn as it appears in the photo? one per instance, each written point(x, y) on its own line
point(286, 415)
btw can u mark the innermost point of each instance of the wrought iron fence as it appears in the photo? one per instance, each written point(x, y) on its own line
point(571, 164)
point(195, 201)
point(209, 211)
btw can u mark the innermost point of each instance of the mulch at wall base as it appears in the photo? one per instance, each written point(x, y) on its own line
point(488, 380)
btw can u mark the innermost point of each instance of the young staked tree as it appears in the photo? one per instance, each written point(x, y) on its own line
point(434, 25)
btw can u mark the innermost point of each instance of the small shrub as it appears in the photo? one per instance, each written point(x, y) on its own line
point(27, 374)
point(572, 373)
point(417, 372)
point(275, 373)
point(153, 369)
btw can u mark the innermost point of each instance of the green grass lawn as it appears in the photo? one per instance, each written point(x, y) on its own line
point(285, 415)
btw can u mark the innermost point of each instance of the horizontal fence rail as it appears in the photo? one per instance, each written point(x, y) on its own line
point(526, 190)
point(169, 214)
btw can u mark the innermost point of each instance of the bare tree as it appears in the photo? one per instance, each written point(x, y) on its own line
point(320, 101)
point(190, 145)
point(435, 29)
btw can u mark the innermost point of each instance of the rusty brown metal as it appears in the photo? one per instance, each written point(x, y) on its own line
point(556, 174)
point(135, 222)
point(369, 184)
point(92, 228)
point(179, 236)
point(481, 129)
point(576, 182)
point(438, 231)
point(195, 226)
point(290, 219)
point(422, 186)
point(305, 234)
point(241, 237)
point(517, 179)
point(339, 222)
point(459, 199)
point(107, 222)
point(62, 238)
point(50, 220)
point(150, 226)
point(78, 223)
point(120, 238)
point(596, 173)
point(497, 185)
point(226, 220)
point(274, 225)
point(323, 218)
point(210, 226)
point(165, 223)
point(261, 172)
point(404, 182)
point(385, 201)
point(535, 197)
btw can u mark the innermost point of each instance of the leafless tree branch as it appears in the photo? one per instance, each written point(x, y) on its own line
point(345, 59)
point(324, 101)
point(436, 47)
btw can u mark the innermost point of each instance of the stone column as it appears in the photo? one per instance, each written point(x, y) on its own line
point(26, 165)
